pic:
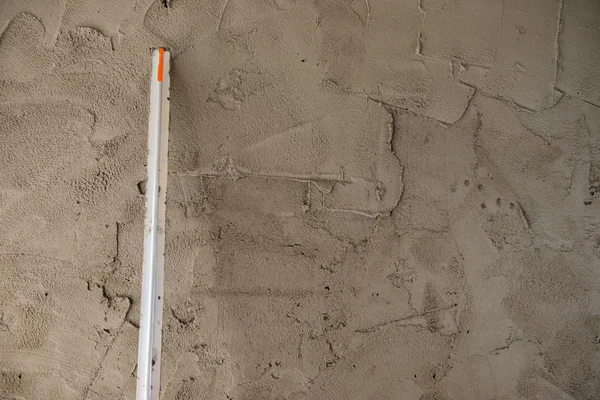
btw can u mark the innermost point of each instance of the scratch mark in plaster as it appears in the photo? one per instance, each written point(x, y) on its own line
point(300, 346)
point(403, 109)
point(559, 25)
point(515, 70)
point(571, 181)
point(564, 93)
point(526, 218)
point(405, 321)
point(419, 47)
point(266, 292)
point(240, 173)
point(106, 353)
point(355, 212)
point(224, 16)
point(499, 36)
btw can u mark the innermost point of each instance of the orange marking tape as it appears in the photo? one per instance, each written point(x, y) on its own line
point(160, 64)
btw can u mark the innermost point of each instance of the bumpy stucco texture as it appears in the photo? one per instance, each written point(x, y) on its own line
point(367, 199)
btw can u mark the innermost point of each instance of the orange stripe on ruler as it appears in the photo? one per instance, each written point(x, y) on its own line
point(160, 64)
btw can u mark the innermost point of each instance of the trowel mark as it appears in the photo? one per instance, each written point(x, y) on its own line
point(362, 10)
point(225, 16)
point(331, 148)
point(50, 14)
point(21, 57)
point(284, 4)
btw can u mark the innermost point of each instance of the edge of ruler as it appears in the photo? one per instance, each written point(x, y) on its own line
point(151, 309)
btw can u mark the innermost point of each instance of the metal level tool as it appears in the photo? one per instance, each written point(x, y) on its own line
point(150, 335)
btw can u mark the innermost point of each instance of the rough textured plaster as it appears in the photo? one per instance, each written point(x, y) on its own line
point(368, 199)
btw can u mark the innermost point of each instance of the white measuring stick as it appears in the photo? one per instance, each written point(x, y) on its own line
point(150, 339)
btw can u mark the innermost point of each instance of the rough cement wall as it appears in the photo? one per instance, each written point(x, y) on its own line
point(380, 199)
